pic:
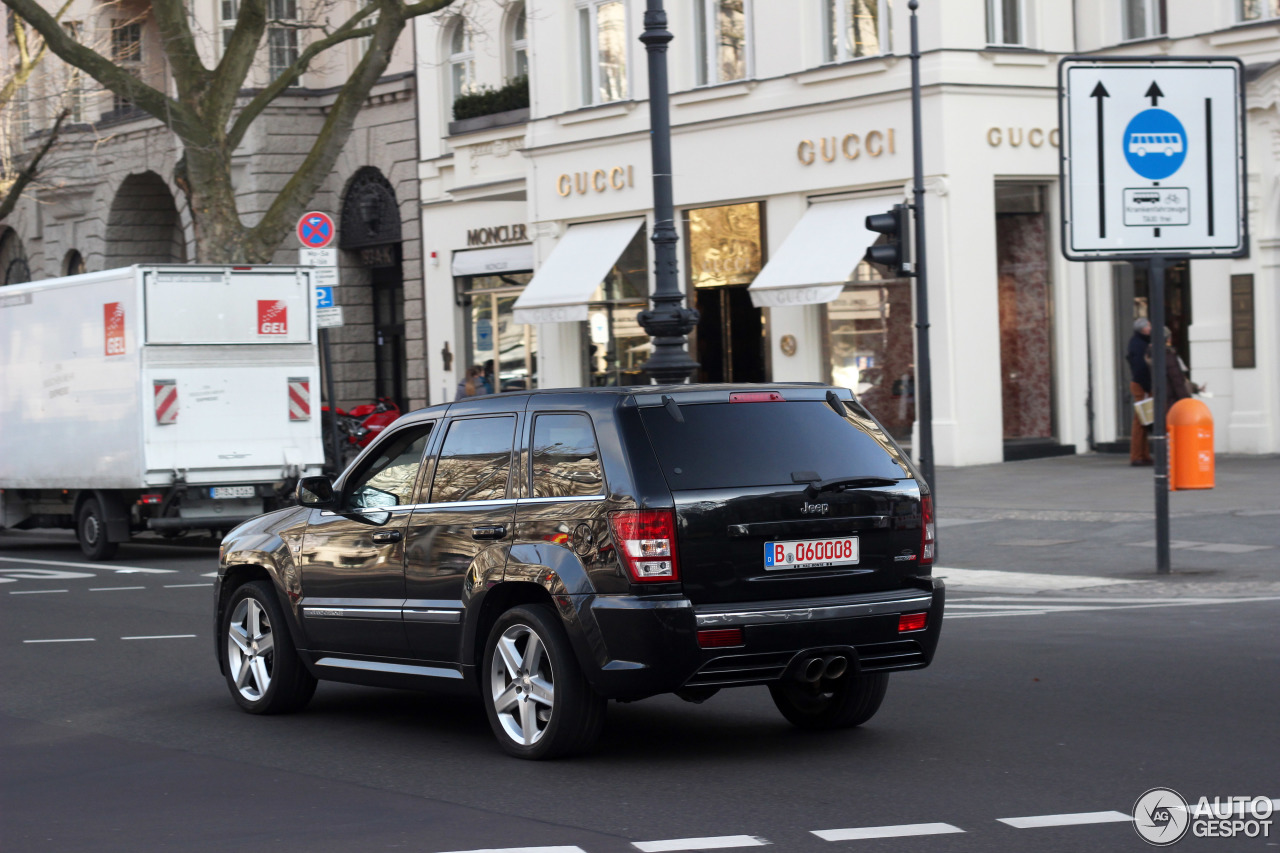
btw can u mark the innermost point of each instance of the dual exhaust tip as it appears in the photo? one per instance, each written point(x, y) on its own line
point(817, 668)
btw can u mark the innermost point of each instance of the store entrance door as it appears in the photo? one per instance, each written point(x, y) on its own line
point(730, 339)
point(725, 253)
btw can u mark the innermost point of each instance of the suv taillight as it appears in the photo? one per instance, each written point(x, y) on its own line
point(928, 539)
point(646, 543)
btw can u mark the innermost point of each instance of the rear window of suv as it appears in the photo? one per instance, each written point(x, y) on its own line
point(728, 445)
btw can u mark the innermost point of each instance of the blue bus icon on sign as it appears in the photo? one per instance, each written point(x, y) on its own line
point(1155, 144)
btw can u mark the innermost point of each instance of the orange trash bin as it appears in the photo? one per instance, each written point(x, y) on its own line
point(1190, 430)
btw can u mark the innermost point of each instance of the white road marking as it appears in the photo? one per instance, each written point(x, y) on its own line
point(1001, 581)
point(162, 637)
point(720, 842)
point(112, 588)
point(1040, 608)
point(862, 832)
point(1212, 547)
point(214, 575)
point(1077, 819)
point(33, 591)
point(67, 640)
point(525, 850)
point(184, 585)
point(122, 570)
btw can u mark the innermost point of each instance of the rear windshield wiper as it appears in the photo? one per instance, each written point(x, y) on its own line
point(841, 483)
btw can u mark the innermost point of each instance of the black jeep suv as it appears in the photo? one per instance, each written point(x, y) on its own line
point(556, 549)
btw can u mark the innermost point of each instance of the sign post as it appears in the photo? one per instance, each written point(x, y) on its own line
point(1152, 169)
point(315, 232)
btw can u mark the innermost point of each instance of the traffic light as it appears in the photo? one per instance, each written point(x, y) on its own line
point(894, 252)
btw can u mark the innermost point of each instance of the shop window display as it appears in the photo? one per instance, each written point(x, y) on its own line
point(615, 346)
point(872, 351)
point(505, 349)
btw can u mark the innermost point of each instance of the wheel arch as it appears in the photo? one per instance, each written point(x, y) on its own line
point(235, 576)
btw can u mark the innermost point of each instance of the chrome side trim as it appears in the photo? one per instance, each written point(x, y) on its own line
point(331, 612)
point(565, 499)
point(396, 668)
point(449, 617)
point(915, 601)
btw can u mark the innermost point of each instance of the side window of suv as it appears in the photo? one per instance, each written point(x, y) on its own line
point(566, 461)
point(389, 479)
point(475, 462)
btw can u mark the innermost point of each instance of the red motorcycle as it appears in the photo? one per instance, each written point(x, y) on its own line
point(355, 428)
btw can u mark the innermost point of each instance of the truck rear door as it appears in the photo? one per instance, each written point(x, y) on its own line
point(230, 374)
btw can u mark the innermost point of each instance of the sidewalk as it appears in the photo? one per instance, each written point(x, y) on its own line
point(1093, 516)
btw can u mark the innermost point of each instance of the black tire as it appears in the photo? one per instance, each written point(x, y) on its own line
point(847, 702)
point(289, 686)
point(571, 721)
point(91, 532)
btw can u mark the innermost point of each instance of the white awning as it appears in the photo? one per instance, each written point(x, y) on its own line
point(579, 262)
point(819, 255)
point(500, 259)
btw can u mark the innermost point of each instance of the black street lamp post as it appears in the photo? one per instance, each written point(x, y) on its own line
point(668, 322)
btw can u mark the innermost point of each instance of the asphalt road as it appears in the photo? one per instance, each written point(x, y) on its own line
point(121, 736)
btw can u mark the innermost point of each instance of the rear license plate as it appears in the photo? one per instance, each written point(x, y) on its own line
point(811, 553)
point(228, 492)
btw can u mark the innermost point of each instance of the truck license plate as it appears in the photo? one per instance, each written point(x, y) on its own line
point(811, 553)
point(228, 492)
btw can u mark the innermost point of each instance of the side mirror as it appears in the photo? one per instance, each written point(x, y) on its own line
point(316, 492)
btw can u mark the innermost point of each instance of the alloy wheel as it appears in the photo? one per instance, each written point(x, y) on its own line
point(522, 684)
point(250, 649)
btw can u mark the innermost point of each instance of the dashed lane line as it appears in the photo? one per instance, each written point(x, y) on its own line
point(161, 637)
point(859, 833)
point(33, 591)
point(1077, 819)
point(112, 588)
point(120, 570)
point(525, 850)
point(185, 585)
point(718, 842)
point(65, 640)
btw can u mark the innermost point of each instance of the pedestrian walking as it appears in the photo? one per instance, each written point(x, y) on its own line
point(1177, 385)
point(1139, 389)
point(473, 384)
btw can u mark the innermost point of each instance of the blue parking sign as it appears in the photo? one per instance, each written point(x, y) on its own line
point(324, 297)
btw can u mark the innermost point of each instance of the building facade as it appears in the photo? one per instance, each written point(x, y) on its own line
point(790, 122)
point(108, 196)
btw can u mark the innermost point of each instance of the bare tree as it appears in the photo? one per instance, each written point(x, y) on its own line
point(18, 170)
point(211, 111)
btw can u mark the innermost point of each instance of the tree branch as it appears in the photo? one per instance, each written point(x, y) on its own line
point(28, 173)
point(237, 60)
point(254, 108)
point(189, 72)
point(182, 120)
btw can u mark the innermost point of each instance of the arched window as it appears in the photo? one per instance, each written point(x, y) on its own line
point(73, 263)
point(462, 60)
point(518, 52)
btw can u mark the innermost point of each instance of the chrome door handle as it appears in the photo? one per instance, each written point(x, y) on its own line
point(493, 531)
point(385, 536)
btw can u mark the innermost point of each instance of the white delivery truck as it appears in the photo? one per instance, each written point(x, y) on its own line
point(163, 398)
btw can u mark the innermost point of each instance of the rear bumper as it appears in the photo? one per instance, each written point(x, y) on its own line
point(637, 647)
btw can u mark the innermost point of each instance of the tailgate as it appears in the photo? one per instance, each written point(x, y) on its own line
point(752, 523)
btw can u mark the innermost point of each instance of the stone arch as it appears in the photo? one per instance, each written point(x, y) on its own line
point(13, 259)
point(370, 212)
point(143, 226)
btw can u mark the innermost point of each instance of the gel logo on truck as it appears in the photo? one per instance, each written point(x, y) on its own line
point(113, 328)
point(273, 317)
